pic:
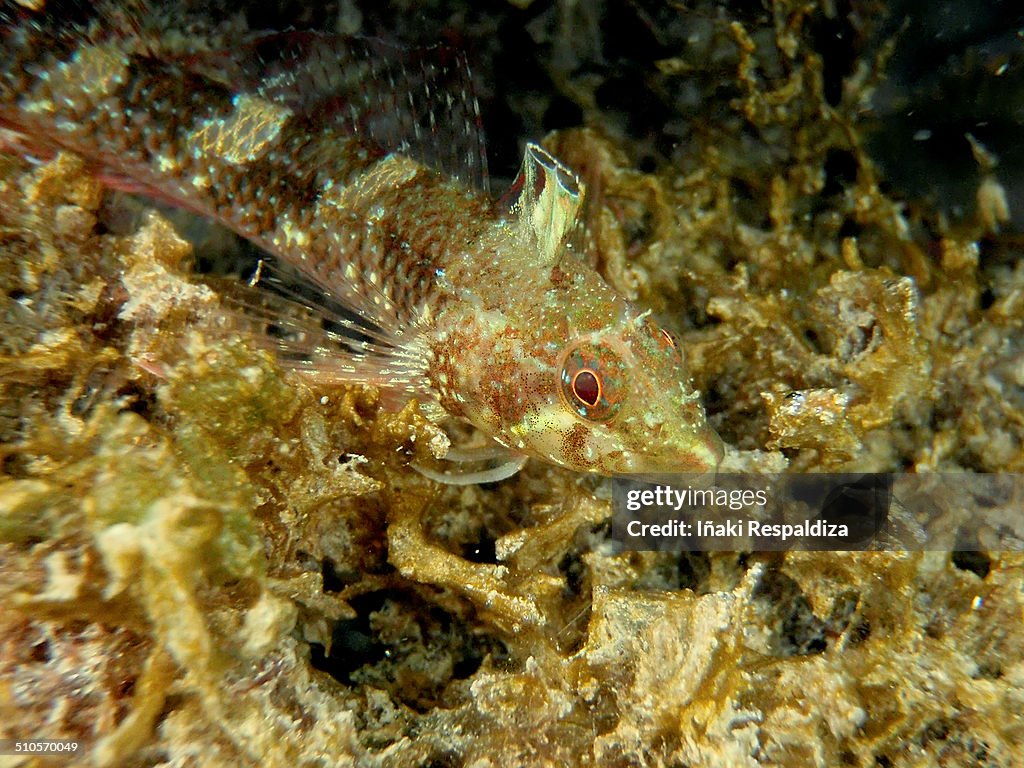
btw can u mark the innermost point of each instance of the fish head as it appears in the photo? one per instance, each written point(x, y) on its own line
point(571, 372)
point(612, 401)
point(626, 406)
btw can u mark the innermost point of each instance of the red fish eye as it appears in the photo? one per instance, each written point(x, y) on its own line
point(591, 381)
point(587, 387)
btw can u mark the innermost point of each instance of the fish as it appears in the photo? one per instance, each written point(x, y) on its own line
point(362, 175)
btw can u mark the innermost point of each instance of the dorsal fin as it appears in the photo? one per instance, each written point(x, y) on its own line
point(418, 102)
point(546, 199)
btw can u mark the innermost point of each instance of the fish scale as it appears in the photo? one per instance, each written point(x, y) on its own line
point(387, 261)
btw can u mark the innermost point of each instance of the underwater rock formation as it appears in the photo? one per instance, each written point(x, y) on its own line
point(207, 560)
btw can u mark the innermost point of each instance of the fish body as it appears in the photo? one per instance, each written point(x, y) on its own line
point(478, 308)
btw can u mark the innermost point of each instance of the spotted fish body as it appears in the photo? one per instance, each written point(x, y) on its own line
point(479, 309)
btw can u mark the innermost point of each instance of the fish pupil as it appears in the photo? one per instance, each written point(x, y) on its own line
point(587, 387)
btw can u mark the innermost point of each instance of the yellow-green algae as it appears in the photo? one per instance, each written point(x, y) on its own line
point(184, 524)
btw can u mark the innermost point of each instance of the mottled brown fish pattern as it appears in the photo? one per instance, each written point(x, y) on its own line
point(329, 160)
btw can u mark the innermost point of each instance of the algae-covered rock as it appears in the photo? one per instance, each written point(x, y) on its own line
point(207, 559)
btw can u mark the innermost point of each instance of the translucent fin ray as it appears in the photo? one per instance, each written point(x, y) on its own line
point(416, 101)
point(502, 471)
point(308, 332)
point(546, 199)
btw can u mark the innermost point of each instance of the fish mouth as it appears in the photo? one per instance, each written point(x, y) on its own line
point(705, 453)
point(701, 454)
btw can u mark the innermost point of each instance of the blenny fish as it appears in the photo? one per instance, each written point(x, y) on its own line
point(324, 152)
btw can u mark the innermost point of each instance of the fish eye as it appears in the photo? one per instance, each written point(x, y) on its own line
point(591, 377)
point(586, 385)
